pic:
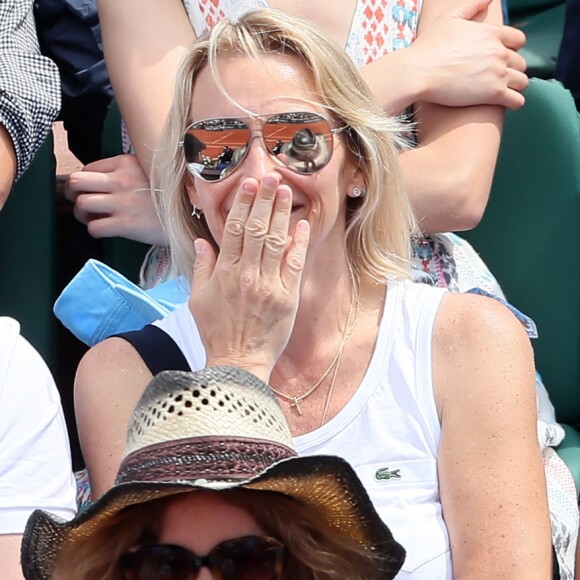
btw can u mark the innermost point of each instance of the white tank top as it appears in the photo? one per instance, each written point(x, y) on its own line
point(389, 431)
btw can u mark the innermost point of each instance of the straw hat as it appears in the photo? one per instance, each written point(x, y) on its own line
point(219, 428)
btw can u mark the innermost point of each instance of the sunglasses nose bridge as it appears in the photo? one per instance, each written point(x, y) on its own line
point(258, 159)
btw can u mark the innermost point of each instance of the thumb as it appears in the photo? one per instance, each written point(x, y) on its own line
point(469, 9)
point(205, 260)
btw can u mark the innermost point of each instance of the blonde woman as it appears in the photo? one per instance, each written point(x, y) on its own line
point(278, 173)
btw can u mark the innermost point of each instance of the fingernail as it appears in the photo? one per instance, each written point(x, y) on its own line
point(198, 244)
point(283, 194)
point(270, 181)
point(249, 187)
point(303, 226)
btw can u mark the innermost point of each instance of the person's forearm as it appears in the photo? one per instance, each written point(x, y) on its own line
point(394, 81)
point(449, 174)
point(448, 178)
point(7, 165)
point(142, 62)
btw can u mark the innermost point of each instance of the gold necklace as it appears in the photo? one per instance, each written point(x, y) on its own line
point(331, 388)
point(296, 400)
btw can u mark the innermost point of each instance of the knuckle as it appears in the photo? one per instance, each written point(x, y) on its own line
point(94, 229)
point(235, 227)
point(257, 229)
point(296, 263)
point(499, 71)
point(125, 160)
point(265, 291)
point(499, 54)
point(520, 83)
point(222, 274)
point(247, 279)
point(81, 202)
point(80, 215)
point(73, 181)
point(123, 182)
point(525, 82)
point(275, 243)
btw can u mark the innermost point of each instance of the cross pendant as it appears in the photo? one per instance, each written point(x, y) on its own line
point(296, 403)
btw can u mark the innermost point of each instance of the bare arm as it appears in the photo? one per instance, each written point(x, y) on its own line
point(453, 62)
point(144, 41)
point(492, 484)
point(10, 557)
point(449, 173)
point(7, 165)
point(109, 382)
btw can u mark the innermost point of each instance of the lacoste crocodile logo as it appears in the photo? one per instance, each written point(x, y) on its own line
point(386, 474)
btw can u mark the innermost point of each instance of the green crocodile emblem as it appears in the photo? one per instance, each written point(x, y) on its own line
point(386, 473)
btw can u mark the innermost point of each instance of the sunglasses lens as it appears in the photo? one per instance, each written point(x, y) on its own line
point(214, 148)
point(156, 562)
point(301, 141)
point(249, 558)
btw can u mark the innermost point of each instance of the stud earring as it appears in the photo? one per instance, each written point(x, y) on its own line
point(358, 192)
point(195, 212)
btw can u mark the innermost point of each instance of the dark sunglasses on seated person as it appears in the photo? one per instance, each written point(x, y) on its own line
point(301, 141)
point(247, 558)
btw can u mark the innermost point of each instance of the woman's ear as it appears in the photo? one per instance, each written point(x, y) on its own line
point(191, 191)
point(354, 180)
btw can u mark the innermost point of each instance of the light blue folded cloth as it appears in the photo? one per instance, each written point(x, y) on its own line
point(99, 302)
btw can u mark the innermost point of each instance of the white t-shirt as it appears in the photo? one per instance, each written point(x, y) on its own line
point(35, 460)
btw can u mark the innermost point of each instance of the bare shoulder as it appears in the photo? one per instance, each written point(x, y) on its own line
point(466, 321)
point(112, 368)
point(109, 382)
point(477, 341)
point(109, 359)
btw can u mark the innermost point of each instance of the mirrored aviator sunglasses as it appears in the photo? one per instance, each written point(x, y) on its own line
point(300, 141)
point(247, 558)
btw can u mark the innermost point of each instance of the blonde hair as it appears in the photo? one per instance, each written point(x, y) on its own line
point(379, 225)
point(315, 551)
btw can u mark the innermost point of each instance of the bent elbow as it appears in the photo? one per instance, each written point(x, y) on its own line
point(469, 216)
point(470, 200)
point(456, 204)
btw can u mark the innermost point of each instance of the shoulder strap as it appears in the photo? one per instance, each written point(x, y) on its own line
point(157, 349)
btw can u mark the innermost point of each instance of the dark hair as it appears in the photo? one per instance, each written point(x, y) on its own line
point(315, 551)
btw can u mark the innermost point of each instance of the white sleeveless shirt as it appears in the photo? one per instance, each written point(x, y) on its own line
point(389, 431)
